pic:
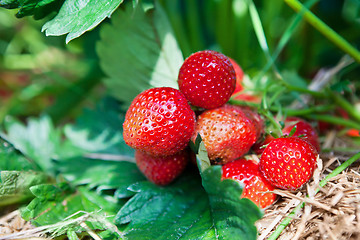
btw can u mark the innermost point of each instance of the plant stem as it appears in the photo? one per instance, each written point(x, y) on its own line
point(322, 183)
point(289, 111)
point(344, 104)
point(304, 111)
point(336, 120)
point(325, 29)
point(304, 90)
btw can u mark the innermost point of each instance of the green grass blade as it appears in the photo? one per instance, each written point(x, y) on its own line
point(290, 30)
point(258, 28)
point(324, 29)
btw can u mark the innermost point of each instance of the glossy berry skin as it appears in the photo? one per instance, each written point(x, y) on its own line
point(288, 163)
point(239, 73)
point(227, 133)
point(304, 129)
point(238, 93)
point(162, 170)
point(207, 79)
point(256, 119)
point(255, 185)
point(159, 121)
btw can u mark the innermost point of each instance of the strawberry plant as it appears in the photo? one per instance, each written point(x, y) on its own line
point(159, 119)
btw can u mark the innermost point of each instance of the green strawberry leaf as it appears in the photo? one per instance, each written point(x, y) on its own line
point(73, 17)
point(137, 51)
point(178, 211)
point(194, 146)
point(76, 17)
point(202, 159)
point(190, 208)
point(38, 8)
point(60, 206)
point(12, 159)
point(100, 130)
point(39, 141)
point(231, 216)
point(119, 174)
point(14, 185)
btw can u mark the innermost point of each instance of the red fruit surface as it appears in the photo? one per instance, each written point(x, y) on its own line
point(239, 73)
point(227, 133)
point(353, 132)
point(207, 79)
point(159, 121)
point(259, 147)
point(162, 170)
point(255, 185)
point(237, 95)
point(288, 163)
point(303, 130)
point(256, 119)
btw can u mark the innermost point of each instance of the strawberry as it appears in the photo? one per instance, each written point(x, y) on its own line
point(237, 94)
point(256, 119)
point(353, 132)
point(239, 73)
point(207, 79)
point(259, 147)
point(227, 132)
point(255, 185)
point(303, 130)
point(161, 170)
point(159, 121)
point(288, 162)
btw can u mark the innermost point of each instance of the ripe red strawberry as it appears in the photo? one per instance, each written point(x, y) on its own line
point(239, 73)
point(161, 170)
point(255, 185)
point(159, 121)
point(256, 119)
point(303, 129)
point(288, 163)
point(227, 132)
point(353, 132)
point(237, 94)
point(207, 79)
point(259, 147)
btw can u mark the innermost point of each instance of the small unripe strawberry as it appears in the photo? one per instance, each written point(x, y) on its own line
point(227, 133)
point(288, 162)
point(256, 188)
point(162, 170)
point(159, 121)
point(207, 79)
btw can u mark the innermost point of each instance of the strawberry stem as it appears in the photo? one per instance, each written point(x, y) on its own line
point(336, 120)
point(322, 183)
point(344, 104)
point(288, 111)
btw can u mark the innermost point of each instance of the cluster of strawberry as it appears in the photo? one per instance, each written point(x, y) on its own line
point(161, 122)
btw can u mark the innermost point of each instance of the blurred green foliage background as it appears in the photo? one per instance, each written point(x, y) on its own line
point(40, 74)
